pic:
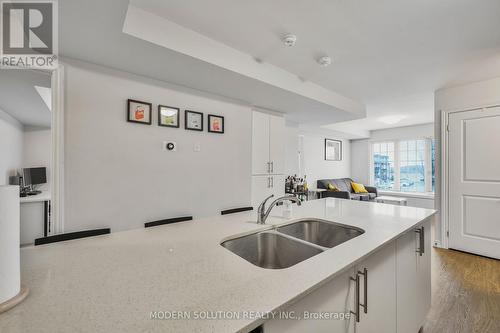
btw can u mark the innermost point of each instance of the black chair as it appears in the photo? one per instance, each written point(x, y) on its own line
point(167, 221)
point(235, 210)
point(71, 235)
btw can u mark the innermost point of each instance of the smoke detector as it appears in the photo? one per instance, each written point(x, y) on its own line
point(325, 61)
point(289, 40)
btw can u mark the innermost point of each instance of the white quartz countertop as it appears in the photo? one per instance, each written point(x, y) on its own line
point(112, 283)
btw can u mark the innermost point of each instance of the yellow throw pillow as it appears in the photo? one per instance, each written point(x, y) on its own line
point(358, 188)
point(332, 187)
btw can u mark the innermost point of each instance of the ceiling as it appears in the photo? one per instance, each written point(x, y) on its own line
point(20, 97)
point(92, 31)
point(389, 55)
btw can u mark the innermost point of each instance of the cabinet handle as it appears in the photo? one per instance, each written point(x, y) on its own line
point(365, 285)
point(268, 182)
point(422, 241)
point(419, 250)
point(272, 182)
point(356, 297)
point(272, 167)
point(268, 167)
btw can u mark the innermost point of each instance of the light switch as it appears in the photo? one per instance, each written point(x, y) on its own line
point(197, 147)
point(169, 146)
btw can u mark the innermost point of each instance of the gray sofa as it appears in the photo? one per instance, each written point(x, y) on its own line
point(346, 191)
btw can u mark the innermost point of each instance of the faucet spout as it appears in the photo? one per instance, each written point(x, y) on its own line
point(262, 213)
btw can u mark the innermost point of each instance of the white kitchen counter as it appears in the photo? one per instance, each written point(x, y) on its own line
point(112, 283)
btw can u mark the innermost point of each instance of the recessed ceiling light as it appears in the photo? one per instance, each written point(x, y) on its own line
point(289, 40)
point(391, 120)
point(325, 61)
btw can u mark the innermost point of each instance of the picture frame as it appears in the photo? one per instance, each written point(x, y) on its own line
point(168, 116)
point(333, 150)
point(139, 112)
point(193, 120)
point(215, 124)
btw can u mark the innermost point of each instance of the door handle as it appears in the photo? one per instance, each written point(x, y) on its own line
point(365, 289)
point(356, 297)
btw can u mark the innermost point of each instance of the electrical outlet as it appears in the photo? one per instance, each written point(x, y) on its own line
point(169, 146)
point(197, 147)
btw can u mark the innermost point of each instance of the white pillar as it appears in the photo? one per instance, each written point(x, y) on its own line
point(10, 270)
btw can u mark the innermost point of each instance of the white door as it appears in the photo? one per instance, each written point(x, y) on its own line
point(277, 144)
point(474, 181)
point(261, 163)
point(261, 189)
point(380, 292)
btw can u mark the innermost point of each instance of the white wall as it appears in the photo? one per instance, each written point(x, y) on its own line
point(312, 148)
point(37, 151)
point(463, 97)
point(116, 173)
point(11, 147)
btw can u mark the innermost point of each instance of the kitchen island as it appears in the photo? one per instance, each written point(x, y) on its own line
point(178, 278)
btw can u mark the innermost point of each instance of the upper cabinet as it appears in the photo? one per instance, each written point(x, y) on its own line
point(268, 144)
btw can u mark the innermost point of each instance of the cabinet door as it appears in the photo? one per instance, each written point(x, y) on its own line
point(261, 189)
point(260, 143)
point(424, 276)
point(406, 283)
point(278, 185)
point(380, 292)
point(277, 144)
point(336, 296)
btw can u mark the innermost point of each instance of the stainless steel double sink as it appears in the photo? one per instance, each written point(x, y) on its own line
point(287, 245)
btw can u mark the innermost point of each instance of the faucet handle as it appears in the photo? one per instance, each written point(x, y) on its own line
point(263, 203)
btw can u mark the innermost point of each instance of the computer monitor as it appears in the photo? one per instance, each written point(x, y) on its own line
point(35, 176)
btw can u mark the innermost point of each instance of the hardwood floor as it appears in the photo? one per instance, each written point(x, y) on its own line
point(465, 294)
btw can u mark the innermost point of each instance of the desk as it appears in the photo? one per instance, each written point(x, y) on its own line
point(30, 216)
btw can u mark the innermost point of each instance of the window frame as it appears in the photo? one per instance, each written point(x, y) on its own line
point(397, 163)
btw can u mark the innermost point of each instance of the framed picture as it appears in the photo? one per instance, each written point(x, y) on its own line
point(193, 120)
point(168, 116)
point(139, 112)
point(333, 150)
point(215, 124)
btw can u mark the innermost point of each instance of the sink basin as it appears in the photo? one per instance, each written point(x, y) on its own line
point(270, 250)
point(319, 232)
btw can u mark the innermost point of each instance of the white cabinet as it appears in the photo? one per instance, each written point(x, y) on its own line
point(394, 283)
point(265, 185)
point(260, 144)
point(334, 297)
point(413, 278)
point(268, 144)
point(377, 276)
point(277, 144)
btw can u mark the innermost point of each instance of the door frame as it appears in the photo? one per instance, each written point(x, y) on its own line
point(444, 163)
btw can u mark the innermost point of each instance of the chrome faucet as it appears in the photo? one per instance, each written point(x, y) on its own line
point(262, 213)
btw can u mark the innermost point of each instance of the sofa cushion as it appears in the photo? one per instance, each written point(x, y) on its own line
point(360, 196)
point(342, 185)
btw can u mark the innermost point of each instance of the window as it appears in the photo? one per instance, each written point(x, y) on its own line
point(406, 165)
point(412, 166)
point(383, 160)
